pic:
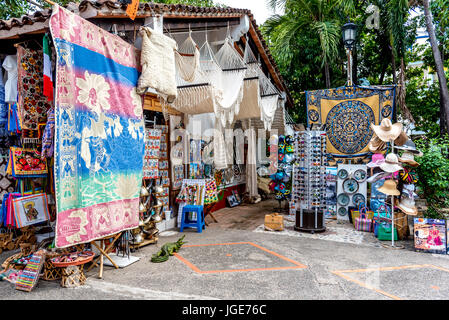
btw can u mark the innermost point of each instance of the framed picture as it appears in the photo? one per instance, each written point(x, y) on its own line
point(232, 201)
point(237, 196)
point(430, 235)
point(30, 210)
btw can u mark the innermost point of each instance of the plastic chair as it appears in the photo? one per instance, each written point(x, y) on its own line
point(199, 223)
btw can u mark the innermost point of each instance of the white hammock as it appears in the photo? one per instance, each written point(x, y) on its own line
point(269, 101)
point(187, 59)
point(233, 72)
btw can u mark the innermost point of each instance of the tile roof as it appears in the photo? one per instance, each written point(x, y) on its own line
point(116, 8)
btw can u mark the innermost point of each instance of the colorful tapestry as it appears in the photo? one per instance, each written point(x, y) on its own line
point(99, 131)
point(347, 114)
point(33, 105)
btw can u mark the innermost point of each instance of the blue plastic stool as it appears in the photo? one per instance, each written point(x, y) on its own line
point(199, 223)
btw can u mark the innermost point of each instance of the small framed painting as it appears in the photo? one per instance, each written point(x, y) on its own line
point(232, 201)
point(31, 210)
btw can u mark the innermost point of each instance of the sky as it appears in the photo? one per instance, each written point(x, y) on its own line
point(258, 8)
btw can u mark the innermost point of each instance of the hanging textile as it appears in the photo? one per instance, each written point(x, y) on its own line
point(99, 131)
point(3, 110)
point(251, 160)
point(158, 64)
point(233, 73)
point(48, 82)
point(250, 105)
point(48, 135)
point(32, 104)
point(348, 113)
point(187, 59)
point(269, 101)
point(6, 182)
point(10, 65)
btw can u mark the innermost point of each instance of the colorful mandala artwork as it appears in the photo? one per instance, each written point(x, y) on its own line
point(348, 126)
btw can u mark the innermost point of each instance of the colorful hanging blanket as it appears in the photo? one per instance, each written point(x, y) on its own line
point(348, 113)
point(32, 104)
point(99, 131)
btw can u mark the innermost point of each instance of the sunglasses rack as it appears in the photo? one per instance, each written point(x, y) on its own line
point(309, 170)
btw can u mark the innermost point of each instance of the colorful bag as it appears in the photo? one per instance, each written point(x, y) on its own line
point(362, 210)
point(26, 163)
point(382, 214)
point(384, 232)
point(362, 223)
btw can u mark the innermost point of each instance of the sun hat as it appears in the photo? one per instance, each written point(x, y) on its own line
point(391, 163)
point(401, 139)
point(389, 188)
point(376, 145)
point(409, 190)
point(376, 160)
point(407, 205)
point(408, 158)
point(410, 146)
point(378, 176)
point(387, 131)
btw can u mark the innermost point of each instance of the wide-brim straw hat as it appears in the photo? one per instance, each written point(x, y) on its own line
point(391, 163)
point(389, 188)
point(410, 146)
point(401, 139)
point(387, 131)
point(408, 158)
point(376, 145)
point(376, 161)
point(407, 206)
point(378, 176)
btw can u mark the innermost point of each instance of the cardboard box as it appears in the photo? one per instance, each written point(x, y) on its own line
point(274, 222)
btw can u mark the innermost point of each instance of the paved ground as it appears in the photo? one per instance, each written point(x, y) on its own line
point(226, 263)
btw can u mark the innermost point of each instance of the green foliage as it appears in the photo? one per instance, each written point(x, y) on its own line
point(433, 175)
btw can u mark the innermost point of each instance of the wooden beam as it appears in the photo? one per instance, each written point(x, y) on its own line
point(152, 103)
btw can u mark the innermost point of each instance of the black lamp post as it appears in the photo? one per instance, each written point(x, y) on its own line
point(349, 36)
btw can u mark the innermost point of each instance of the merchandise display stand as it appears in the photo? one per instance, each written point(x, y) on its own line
point(104, 253)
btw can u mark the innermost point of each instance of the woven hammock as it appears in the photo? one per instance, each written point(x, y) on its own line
point(187, 59)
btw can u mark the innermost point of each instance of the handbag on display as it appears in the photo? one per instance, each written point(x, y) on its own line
point(26, 163)
point(362, 210)
point(362, 223)
point(384, 232)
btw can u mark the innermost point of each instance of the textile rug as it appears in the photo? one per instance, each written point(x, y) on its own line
point(347, 113)
point(99, 131)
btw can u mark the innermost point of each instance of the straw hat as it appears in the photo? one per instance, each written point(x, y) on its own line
point(376, 160)
point(376, 145)
point(387, 131)
point(401, 139)
point(408, 158)
point(389, 188)
point(410, 146)
point(407, 205)
point(391, 163)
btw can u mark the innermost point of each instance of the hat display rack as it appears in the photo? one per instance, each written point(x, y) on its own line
point(393, 134)
point(309, 171)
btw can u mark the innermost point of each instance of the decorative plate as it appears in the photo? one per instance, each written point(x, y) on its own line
point(350, 186)
point(342, 211)
point(358, 198)
point(343, 199)
point(342, 174)
point(360, 175)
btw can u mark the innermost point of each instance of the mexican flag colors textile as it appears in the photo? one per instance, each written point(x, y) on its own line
point(99, 131)
point(48, 77)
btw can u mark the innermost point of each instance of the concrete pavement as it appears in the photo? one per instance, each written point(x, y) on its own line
point(261, 266)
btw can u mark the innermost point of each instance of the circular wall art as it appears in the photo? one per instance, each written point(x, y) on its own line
point(358, 198)
point(342, 211)
point(313, 115)
point(386, 111)
point(350, 186)
point(360, 175)
point(343, 199)
point(342, 174)
point(348, 126)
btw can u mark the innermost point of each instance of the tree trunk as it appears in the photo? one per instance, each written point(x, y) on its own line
point(327, 74)
point(382, 73)
point(393, 66)
point(444, 92)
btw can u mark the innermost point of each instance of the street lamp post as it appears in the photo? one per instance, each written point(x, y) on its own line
point(349, 36)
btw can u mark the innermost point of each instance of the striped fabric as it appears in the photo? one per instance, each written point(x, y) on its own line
point(27, 279)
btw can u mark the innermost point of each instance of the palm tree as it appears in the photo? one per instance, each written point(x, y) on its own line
point(319, 16)
point(444, 92)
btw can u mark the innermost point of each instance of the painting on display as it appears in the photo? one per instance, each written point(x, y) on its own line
point(347, 113)
point(430, 235)
point(99, 131)
point(31, 210)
